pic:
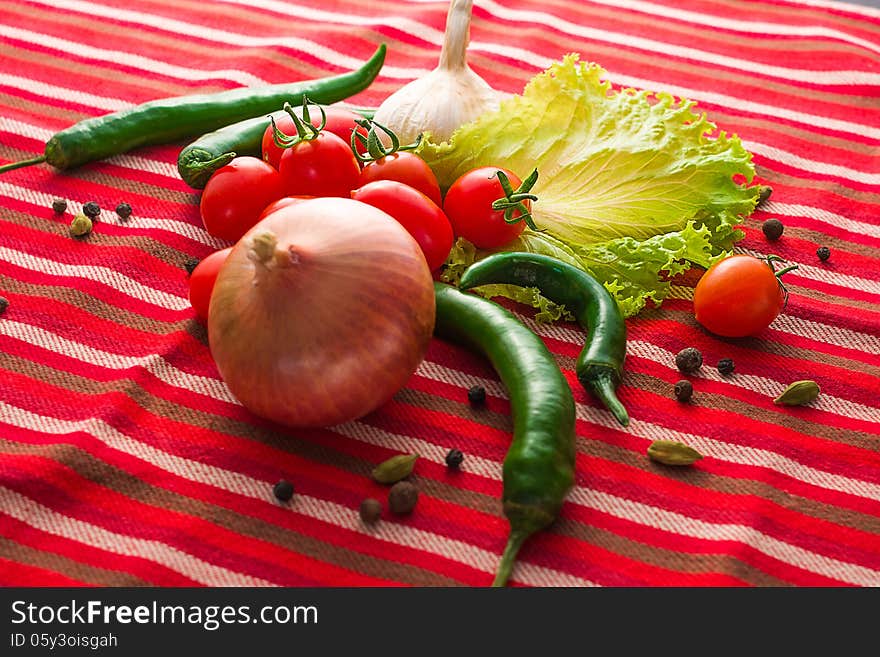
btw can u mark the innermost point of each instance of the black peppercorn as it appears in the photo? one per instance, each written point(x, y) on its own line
point(59, 205)
point(91, 209)
point(477, 395)
point(454, 458)
point(772, 229)
point(283, 490)
point(823, 252)
point(371, 510)
point(684, 390)
point(402, 497)
point(725, 366)
point(123, 210)
point(191, 264)
point(4, 304)
point(689, 360)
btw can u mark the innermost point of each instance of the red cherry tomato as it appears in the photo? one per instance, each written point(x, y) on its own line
point(738, 296)
point(340, 122)
point(282, 203)
point(421, 217)
point(201, 282)
point(235, 196)
point(323, 166)
point(407, 168)
point(468, 204)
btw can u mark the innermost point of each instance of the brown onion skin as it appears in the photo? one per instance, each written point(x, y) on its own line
point(334, 326)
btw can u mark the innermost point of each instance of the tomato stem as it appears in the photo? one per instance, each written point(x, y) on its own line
point(514, 199)
point(305, 131)
point(376, 150)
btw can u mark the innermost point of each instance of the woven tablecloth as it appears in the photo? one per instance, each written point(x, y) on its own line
point(124, 460)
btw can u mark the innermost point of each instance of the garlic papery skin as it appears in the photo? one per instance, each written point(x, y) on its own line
point(447, 97)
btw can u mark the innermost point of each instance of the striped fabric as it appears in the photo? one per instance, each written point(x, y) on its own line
point(124, 460)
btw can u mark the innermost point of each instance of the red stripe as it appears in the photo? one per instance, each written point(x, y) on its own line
point(13, 573)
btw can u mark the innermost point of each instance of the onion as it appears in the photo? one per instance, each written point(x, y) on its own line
point(321, 312)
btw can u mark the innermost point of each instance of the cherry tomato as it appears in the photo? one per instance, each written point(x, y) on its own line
point(738, 296)
point(235, 196)
point(201, 281)
point(323, 166)
point(407, 168)
point(468, 204)
point(421, 217)
point(282, 203)
point(340, 122)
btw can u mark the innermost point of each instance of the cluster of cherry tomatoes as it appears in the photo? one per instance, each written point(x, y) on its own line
point(317, 153)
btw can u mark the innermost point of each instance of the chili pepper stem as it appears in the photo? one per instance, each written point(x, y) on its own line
point(505, 566)
point(602, 386)
point(22, 163)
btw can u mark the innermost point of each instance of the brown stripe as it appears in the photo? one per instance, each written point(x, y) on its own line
point(830, 186)
point(857, 439)
point(59, 66)
point(120, 481)
point(116, 186)
point(670, 559)
point(25, 554)
point(61, 227)
point(834, 243)
point(101, 309)
point(734, 123)
point(303, 449)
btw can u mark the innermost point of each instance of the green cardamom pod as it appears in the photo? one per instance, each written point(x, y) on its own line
point(81, 225)
point(394, 469)
point(670, 452)
point(798, 393)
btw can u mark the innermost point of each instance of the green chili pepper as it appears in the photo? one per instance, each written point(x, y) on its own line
point(600, 364)
point(198, 161)
point(538, 469)
point(167, 120)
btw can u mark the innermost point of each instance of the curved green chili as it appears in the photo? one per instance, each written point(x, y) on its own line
point(538, 469)
point(167, 120)
point(600, 364)
point(198, 161)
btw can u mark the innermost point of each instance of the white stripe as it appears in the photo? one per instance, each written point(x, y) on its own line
point(530, 58)
point(322, 510)
point(823, 275)
point(153, 363)
point(34, 514)
point(87, 99)
point(823, 168)
point(717, 21)
point(677, 523)
point(823, 215)
point(137, 222)
point(559, 24)
point(762, 385)
point(726, 102)
point(206, 33)
point(104, 275)
point(91, 51)
point(848, 7)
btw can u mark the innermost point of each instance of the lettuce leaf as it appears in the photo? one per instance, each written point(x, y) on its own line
point(633, 186)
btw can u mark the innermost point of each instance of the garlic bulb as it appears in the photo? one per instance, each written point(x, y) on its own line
point(449, 96)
